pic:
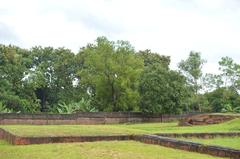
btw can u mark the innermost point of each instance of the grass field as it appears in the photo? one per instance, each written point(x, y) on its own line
point(233, 142)
point(113, 149)
point(74, 130)
point(96, 150)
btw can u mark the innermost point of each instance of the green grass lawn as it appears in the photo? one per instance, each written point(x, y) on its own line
point(96, 150)
point(232, 142)
point(113, 149)
point(74, 130)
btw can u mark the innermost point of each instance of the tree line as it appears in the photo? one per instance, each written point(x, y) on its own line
point(111, 76)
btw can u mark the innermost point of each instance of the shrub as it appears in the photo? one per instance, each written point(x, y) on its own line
point(82, 106)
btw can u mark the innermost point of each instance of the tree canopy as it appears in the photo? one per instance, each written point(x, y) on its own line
point(112, 76)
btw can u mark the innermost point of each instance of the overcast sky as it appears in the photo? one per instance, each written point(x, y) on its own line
point(169, 27)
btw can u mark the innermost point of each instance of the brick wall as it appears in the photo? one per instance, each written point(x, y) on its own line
point(85, 118)
point(148, 139)
point(200, 135)
point(5, 135)
point(189, 146)
point(19, 140)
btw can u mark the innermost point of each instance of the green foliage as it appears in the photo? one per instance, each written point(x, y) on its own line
point(211, 82)
point(16, 94)
point(199, 103)
point(192, 69)
point(52, 74)
point(162, 90)
point(223, 99)
point(110, 75)
point(230, 73)
point(150, 58)
point(3, 109)
point(81, 106)
point(223, 88)
point(115, 78)
point(228, 108)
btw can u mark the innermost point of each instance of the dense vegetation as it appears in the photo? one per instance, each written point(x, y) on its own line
point(112, 76)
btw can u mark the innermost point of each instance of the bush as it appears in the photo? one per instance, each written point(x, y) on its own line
point(81, 106)
point(3, 109)
point(229, 109)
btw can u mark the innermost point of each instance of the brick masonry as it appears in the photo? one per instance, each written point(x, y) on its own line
point(200, 135)
point(69, 139)
point(205, 119)
point(84, 118)
point(189, 146)
point(5, 135)
point(18, 140)
point(148, 139)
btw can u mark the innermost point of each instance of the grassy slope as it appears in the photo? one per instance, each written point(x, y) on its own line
point(233, 142)
point(67, 130)
point(96, 150)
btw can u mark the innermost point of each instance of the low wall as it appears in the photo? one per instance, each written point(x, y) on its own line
point(148, 139)
point(85, 118)
point(189, 146)
point(200, 135)
point(19, 140)
point(5, 135)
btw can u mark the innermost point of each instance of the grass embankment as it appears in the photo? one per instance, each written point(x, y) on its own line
point(96, 150)
point(151, 128)
point(232, 142)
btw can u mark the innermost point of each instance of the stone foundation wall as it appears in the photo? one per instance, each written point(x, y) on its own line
point(84, 118)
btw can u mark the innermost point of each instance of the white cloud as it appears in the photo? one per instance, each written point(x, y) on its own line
point(170, 27)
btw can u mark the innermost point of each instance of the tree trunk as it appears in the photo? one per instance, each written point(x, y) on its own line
point(41, 94)
point(114, 97)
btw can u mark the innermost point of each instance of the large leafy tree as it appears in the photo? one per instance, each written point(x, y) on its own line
point(65, 69)
point(16, 93)
point(230, 73)
point(110, 74)
point(224, 94)
point(192, 69)
point(223, 97)
point(211, 82)
point(52, 74)
point(151, 58)
point(162, 90)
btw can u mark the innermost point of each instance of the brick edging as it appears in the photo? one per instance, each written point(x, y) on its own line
point(69, 139)
point(85, 118)
point(148, 139)
point(200, 135)
point(189, 146)
point(9, 137)
point(21, 140)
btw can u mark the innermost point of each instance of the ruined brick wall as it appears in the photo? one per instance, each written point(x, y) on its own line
point(85, 118)
point(200, 135)
point(148, 139)
point(189, 146)
point(205, 119)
